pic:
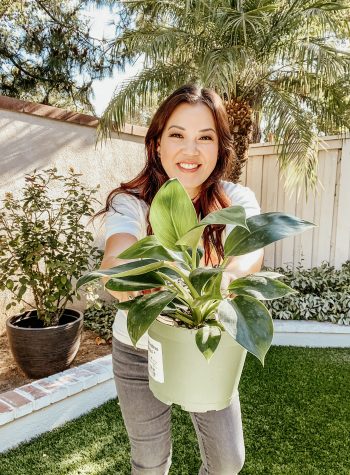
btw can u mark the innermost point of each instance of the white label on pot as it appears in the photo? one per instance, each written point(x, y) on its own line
point(155, 360)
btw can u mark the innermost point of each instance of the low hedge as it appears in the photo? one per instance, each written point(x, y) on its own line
point(324, 296)
point(100, 319)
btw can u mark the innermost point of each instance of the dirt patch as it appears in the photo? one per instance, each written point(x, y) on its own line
point(12, 377)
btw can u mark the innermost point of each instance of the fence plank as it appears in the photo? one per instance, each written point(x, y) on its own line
point(342, 235)
point(324, 205)
point(286, 203)
point(255, 175)
point(269, 199)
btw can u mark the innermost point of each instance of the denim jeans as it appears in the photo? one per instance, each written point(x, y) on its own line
point(148, 422)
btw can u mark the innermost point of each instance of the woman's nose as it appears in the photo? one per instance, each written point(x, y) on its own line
point(190, 147)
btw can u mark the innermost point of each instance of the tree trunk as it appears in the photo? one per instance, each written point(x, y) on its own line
point(244, 129)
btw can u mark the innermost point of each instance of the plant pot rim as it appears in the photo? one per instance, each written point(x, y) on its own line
point(170, 322)
point(67, 325)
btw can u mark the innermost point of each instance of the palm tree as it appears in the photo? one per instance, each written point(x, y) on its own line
point(284, 62)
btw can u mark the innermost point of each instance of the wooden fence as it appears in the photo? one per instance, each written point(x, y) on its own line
point(329, 209)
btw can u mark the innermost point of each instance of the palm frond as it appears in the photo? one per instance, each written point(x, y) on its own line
point(139, 92)
point(296, 137)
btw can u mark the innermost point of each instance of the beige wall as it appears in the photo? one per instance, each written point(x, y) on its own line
point(31, 140)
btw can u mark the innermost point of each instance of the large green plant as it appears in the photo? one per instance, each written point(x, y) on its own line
point(192, 295)
point(44, 243)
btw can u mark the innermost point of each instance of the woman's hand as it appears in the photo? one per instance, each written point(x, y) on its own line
point(227, 278)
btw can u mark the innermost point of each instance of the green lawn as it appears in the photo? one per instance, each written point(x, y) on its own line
point(296, 419)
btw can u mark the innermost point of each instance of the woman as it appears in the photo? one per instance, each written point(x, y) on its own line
point(189, 139)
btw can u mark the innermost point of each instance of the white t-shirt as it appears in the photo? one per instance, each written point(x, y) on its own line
point(131, 218)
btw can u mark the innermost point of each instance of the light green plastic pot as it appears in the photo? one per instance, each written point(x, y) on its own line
point(180, 374)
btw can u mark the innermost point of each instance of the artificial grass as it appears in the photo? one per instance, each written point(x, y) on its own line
point(296, 419)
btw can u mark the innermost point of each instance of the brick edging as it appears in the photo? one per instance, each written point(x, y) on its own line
point(40, 393)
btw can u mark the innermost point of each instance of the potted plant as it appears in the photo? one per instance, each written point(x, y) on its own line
point(199, 332)
point(43, 247)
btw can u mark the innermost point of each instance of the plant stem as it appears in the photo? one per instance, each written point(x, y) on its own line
point(184, 318)
point(177, 286)
point(184, 277)
point(224, 262)
point(194, 257)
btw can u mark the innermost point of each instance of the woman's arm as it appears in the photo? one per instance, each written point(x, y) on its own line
point(115, 245)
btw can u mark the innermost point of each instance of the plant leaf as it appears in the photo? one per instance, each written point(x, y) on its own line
point(200, 276)
point(168, 222)
point(146, 281)
point(207, 340)
point(231, 215)
point(264, 229)
point(113, 271)
point(144, 311)
point(249, 322)
point(212, 288)
point(147, 247)
point(260, 287)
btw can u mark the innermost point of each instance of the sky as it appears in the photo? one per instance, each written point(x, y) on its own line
point(103, 90)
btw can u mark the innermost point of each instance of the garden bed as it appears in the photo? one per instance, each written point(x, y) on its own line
point(12, 377)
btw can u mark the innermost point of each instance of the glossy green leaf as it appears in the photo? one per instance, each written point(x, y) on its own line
point(249, 322)
point(264, 229)
point(169, 221)
point(144, 311)
point(260, 287)
point(207, 339)
point(212, 288)
point(149, 280)
point(148, 247)
point(200, 276)
point(144, 269)
point(127, 303)
point(113, 271)
point(231, 215)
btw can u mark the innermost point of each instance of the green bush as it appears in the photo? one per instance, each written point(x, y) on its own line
point(324, 294)
point(99, 318)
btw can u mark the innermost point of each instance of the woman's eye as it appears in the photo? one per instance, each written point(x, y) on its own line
point(206, 137)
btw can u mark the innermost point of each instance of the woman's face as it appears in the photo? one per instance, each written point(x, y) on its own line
point(189, 137)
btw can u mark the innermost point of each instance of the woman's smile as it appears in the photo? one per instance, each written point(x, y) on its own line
point(187, 167)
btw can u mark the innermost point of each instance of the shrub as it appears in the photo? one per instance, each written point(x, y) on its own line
point(324, 294)
point(100, 318)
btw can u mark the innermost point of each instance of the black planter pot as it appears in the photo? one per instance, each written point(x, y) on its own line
point(41, 351)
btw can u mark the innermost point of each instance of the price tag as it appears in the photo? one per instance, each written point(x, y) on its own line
point(155, 360)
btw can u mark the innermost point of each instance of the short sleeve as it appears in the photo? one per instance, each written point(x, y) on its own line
point(125, 217)
point(242, 196)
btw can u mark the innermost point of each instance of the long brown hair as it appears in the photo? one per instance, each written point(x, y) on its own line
point(212, 197)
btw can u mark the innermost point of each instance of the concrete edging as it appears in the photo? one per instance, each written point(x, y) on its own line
point(310, 334)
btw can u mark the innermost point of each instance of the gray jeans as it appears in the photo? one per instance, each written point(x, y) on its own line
point(148, 422)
